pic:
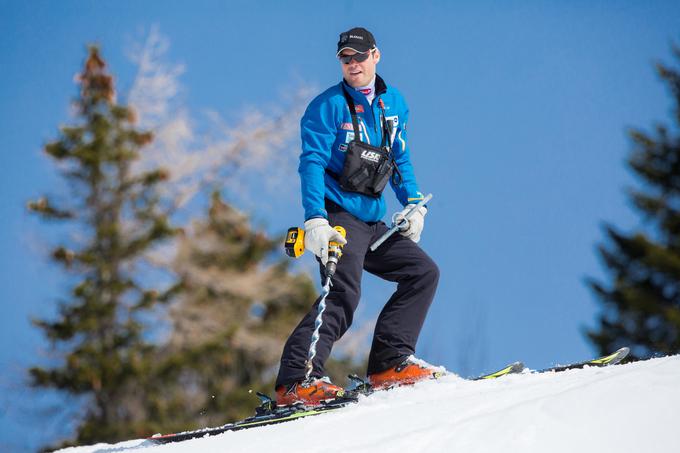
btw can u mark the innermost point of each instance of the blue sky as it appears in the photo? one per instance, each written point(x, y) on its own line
point(519, 112)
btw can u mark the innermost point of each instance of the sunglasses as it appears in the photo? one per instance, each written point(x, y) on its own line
point(359, 57)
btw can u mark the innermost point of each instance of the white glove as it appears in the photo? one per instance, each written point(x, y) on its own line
point(414, 224)
point(318, 233)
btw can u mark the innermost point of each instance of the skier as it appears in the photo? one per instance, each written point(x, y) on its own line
point(353, 141)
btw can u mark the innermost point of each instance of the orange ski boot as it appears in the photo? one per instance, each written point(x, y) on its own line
point(312, 393)
point(407, 372)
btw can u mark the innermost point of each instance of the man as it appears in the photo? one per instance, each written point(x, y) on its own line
point(342, 170)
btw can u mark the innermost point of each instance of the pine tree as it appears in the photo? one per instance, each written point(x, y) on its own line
point(236, 308)
point(102, 354)
point(641, 305)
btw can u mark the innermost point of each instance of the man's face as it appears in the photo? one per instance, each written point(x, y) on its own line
point(359, 74)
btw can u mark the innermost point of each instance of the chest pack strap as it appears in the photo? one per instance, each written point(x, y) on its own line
point(352, 112)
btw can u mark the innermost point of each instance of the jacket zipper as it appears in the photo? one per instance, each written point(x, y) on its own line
point(375, 123)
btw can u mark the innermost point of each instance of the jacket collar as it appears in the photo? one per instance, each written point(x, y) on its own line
point(380, 88)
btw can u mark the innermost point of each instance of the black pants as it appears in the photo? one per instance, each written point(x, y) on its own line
point(398, 260)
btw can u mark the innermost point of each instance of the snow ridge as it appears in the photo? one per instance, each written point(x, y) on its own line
point(625, 408)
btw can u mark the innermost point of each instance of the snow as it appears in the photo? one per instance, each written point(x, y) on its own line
point(623, 408)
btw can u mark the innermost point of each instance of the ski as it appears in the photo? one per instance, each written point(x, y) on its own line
point(607, 360)
point(266, 414)
point(251, 422)
point(269, 414)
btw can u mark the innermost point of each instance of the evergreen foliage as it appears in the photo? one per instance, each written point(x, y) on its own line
point(641, 305)
point(98, 336)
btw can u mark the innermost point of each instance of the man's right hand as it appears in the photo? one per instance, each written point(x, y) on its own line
point(318, 233)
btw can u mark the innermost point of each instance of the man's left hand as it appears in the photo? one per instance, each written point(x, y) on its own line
point(414, 224)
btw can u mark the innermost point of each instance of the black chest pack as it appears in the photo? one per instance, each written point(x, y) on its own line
point(368, 168)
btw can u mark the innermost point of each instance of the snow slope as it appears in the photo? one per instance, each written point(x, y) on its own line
point(624, 408)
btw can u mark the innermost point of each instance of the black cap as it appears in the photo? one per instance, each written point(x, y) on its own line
point(358, 39)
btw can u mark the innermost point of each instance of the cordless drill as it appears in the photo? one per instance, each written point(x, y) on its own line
point(295, 247)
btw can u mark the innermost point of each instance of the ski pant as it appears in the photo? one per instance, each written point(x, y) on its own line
point(398, 326)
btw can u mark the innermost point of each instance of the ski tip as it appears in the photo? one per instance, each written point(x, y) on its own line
point(622, 353)
point(516, 367)
point(612, 359)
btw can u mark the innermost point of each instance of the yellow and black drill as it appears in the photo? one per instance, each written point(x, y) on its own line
point(295, 247)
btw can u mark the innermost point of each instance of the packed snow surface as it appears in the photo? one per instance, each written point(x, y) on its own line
point(625, 408)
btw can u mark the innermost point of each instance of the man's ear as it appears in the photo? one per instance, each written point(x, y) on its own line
point(376, 54)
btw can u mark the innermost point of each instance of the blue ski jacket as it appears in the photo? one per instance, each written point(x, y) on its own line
point(326, 129)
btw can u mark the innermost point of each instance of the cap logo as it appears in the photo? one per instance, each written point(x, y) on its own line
point(356, 37)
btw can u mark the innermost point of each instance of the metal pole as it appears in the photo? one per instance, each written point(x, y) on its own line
point(397, 226)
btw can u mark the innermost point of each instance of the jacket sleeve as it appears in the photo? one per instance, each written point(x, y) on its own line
point(407, 190)
point(318, 131)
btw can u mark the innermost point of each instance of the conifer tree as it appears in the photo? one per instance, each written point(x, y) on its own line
point(102, 354)
point(641, 304)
